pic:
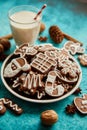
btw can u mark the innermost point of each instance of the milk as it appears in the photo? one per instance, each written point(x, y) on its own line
point(24, 28)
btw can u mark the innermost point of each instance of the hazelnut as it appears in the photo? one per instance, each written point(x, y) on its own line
point(1, 48)
point(42, 27)
point(5, 43)
point(49, 117)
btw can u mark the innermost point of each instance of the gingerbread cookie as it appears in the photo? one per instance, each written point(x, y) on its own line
point(74, 48)
point(2, 108)
point(15, 66)
point(68, 70)
point(25, 49)
point(47, 47)
point(31, 81)
point(11, 105)
point(81, 104)
point(43, 63)
point(51, 88)
point(83, 59)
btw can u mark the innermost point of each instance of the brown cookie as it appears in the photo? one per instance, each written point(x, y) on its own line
point(47, 47)
point(83, 59)
point(51, 88)
point(30, 82)
point(43, 63)
point(25, 49)
point(68, 70)
point(81, 104)
point(15, 66)
point(11, 105)
point(74, 48)
point(2, 108)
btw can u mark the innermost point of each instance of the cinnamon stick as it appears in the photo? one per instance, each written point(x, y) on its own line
point(71, 39)
point(9, 36)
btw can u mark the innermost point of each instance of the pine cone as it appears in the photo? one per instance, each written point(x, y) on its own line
point(56, 34)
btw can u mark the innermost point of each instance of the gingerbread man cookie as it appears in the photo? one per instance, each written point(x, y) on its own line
point(83, 59)
point(81, 104)
point(74, 48)
point(15, 66)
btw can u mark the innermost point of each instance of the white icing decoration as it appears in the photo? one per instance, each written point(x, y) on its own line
point(16, 83)
point(13, 106)
point(49, 90)
point(60, 90)
point(51, 78)
point(1, 107)
point(9, 72)
point(32, 80)
point(40, 95)
point(23, 50)
point(85, 106)
point(84, 102)
point(41, 65)
point(26, 67)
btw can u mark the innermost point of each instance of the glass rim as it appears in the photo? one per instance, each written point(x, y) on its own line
point(26, 10)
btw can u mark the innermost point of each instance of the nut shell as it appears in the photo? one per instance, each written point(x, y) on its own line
point(49, 117)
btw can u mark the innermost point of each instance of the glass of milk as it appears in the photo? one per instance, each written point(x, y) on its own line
point(24, 28)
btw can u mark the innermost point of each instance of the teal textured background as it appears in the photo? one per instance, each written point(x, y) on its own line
point(71, 17)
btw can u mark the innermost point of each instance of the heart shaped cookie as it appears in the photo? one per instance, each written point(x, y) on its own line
point(81, 104)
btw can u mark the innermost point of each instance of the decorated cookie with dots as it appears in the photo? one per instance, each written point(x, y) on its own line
point(74, 48)
point(83, 59)
point(51, 88)
point(26, 50)
point(81, 104)
point(67, 66)
point(15, 66)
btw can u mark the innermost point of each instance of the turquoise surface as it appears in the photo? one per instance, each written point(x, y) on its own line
point(71, 17)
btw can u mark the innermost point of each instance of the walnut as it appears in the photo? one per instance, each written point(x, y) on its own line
point(42, 27)
point(49, 117)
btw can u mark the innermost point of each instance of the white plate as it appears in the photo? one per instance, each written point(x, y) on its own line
point(38, 100)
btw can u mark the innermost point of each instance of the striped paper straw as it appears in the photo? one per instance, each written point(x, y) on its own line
point(43, 7)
